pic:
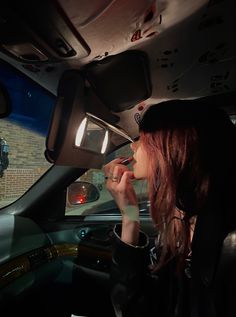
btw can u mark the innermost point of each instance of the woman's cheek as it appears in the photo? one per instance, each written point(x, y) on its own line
point(140, 172)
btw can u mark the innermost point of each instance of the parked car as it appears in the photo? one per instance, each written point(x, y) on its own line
point(106, 61)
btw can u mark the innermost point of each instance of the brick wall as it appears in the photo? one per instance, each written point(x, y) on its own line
point(26, 159)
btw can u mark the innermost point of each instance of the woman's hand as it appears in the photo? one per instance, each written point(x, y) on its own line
point(119, 183)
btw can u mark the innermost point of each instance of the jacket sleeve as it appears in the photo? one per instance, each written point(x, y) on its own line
point(135, 290)
point(129, 276)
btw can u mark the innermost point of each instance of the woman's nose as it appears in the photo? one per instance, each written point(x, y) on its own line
point(134, 146)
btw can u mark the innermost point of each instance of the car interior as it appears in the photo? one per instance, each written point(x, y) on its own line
point(75, 79)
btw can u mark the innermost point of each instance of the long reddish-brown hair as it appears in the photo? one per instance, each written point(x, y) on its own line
point(182, 143)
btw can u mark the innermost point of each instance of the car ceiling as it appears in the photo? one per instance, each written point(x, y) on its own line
point(190, 44)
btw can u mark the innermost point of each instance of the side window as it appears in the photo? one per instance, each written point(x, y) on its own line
point(105, 203)
point(22, 134)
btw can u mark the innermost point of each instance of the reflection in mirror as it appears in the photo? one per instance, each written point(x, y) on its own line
point(91, 136)
point(81, 193)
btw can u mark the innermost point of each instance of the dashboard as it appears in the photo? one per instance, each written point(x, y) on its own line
point(26, 250)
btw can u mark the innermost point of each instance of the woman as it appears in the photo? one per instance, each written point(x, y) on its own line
point(186, 152)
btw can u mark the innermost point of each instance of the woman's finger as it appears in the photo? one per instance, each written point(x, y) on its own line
point(114, 170)
point(114, 162)
point(127, 177)
point(117, 173)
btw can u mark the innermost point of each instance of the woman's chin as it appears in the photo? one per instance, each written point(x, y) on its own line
point(137, 175)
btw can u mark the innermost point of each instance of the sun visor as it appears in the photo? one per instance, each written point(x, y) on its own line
point(121, 81)
point(76, 136)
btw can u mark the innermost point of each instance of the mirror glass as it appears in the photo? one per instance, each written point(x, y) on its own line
point(81, 193)
point(91, 136)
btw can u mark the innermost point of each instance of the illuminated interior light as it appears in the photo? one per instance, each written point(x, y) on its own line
point(80, 132)
point(105, 142)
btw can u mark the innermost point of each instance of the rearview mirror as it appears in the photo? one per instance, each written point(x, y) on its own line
point(81, 193)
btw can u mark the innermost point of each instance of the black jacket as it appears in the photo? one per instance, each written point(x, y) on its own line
point(206, 289)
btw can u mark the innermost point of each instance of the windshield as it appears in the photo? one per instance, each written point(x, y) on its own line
point(22, 134)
